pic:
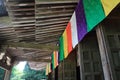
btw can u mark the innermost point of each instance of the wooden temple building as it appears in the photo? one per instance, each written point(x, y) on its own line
point(31, 29)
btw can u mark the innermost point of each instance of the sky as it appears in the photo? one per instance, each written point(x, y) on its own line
point(21, 65)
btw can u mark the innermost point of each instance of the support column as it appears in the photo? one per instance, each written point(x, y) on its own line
point(7, 75)
point(103, 53)
point(78, 63)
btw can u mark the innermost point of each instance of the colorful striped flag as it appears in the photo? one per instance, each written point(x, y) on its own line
point(74, 30)
point(109, 5)
point(54, 59)
point(86, 16)
point(48, 68)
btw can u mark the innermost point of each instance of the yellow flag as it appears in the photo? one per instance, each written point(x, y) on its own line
point(65, 44)
point(109, 5)
point(47, 71)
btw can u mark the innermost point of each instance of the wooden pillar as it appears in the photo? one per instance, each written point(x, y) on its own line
point(104, 53)
point(7, 75)
point(78, 69)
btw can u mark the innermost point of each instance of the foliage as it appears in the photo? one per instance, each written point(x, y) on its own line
point(30, 74)
point(16, 74)
point(27, 74)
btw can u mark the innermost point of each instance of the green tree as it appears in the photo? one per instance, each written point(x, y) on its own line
point(30, 74)
point(27, 74)
point(16, 74)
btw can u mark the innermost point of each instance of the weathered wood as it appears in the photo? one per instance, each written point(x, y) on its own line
point(56, 2)
point(52, 20)
point(51, 12)
point(51, 23)
point(54, 16)
point(52, 26)
point(35, 60)
point(21, 10)
point(103, 53)
point(32, 45)
point(55, 7)
point(19, 22)
point(7, 75)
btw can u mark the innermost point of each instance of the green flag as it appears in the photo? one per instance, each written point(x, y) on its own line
point(61, 49)
point(94, 13)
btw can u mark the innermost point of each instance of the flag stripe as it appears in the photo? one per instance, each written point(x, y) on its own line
point(109, 5)
point(69, 37)
point(61, 49)
point(94, 13)
point(74, 30)
point(53, 61)
point(65, 44)
point(81, 21)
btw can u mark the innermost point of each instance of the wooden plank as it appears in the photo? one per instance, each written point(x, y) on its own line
point(53, 12)
point(48, 41)
point(33, 46)
point(52, 26)
point(49, 29)
point(53, 31)
point(54, 16)
point(23, 18)
point(56, 2)
point(26, 35)
point(38, 35)
point(23, 25)
point(17, 14)
point(52, 23)
point(20, 4)
point(103, 53)
point(41, 37)
point(19, 22)
point(21, 9)
point(52, 20)
point(55, 7)
point(38, 60)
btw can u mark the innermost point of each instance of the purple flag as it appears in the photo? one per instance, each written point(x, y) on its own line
point(81, 21)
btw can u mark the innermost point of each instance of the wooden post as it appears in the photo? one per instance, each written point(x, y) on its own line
point(104, 53)
point(7, 75)
point(78, 62)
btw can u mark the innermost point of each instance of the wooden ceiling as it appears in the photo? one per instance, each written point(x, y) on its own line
point(41, 21)
point(34, 28)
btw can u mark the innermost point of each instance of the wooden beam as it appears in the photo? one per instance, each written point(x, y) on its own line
point(54, 16)
point(56, 2)
point(52, 12)
point(34, 60)
point(51, 23)
point(55, 25)
point(55, 7)
point(32, 45)
point(52, 20)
